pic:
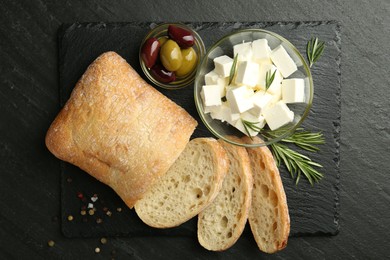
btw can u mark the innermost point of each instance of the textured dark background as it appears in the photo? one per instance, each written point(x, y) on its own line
point(29, 191)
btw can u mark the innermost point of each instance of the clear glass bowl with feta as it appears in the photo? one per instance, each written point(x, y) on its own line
point(268, 93)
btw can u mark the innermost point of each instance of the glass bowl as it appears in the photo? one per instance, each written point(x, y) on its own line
point(180, 82)
point(225, 47)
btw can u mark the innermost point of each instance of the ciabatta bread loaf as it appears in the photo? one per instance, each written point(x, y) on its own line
point(119, 129)
point(268, 218)
point(188, 187)
point(222, 223)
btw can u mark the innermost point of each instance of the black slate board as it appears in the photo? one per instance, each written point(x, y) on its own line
point(313, 210)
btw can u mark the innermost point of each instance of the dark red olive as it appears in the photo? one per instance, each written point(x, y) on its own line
point(149, 51)
point(161, 74)
point(182, 37)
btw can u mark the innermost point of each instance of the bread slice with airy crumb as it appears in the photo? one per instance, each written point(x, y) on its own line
point(189, 186)
point(268, 218)
point(222, 223)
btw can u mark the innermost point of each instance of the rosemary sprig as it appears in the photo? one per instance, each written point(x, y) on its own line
point(297, 163)
point(233, 69)
point(269, 78)
point(304, 139)
point(252, 126)
point(314, 50)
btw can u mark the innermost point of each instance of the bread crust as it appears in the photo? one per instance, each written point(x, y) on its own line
point(154, 214)
point(244, 173)
point(272, 197)
point(119, 129)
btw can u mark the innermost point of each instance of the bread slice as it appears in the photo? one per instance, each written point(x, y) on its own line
point(119, 129)
point(222, 223)
point(188, 187)
point(268, 218)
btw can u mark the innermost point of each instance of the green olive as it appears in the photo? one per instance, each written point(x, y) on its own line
point(162, 40)
point(170, 55)
point(189, 62)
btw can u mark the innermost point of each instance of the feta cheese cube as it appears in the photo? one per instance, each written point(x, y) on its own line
point(260, 49)
point(260, 100)
point(283, 61)
point(264, 61)
point(222, 83)
point(258, 122)
point(278, 115)
point(223, 64)
point(240, 126)
point(211, 78)
point(224, 113)
point(211, 95)
point(275, 87)
point(229, 88)
point(221, 88)
point(239, 99)
point(220, 112)
point(276, 96)
point(209, 109)
point(247, 73)
point(233, 118)
point(243, 50)
point(293, 91)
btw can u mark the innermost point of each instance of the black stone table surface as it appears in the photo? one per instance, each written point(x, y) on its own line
point(312, 210)
point(31, 210)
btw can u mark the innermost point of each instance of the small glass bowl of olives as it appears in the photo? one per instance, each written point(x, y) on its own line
point(170, 54)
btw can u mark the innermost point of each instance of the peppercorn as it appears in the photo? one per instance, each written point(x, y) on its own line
point(80, 195)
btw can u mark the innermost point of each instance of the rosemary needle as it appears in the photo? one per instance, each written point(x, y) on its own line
point(314, 50)
point(304, 139)
point(269, 78)
point(297, 163)
point(252, 126)
point(233, 69)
